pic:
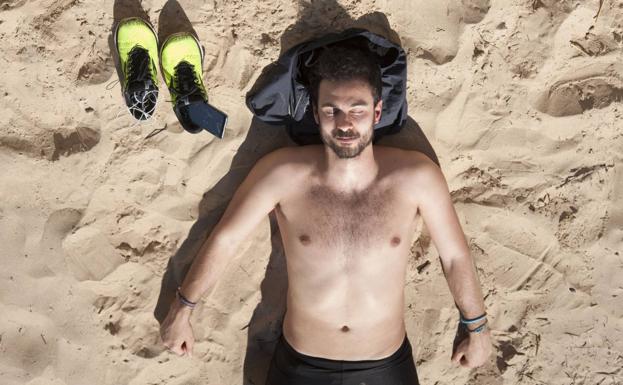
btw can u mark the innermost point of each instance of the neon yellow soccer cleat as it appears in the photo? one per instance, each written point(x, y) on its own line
point(137, 47)
point(181, 62)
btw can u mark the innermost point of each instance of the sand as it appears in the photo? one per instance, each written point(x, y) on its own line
point(520, 100)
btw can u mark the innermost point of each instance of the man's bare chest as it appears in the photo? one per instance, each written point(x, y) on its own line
point(323, 217)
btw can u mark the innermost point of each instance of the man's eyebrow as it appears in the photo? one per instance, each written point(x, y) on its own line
point(356, 103)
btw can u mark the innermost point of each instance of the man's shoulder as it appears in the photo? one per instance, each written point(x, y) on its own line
point(290, 161)
point(412, 172)
point(406, 160)
point(294, 155)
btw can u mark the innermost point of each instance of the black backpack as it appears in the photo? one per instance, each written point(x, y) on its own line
point(284, 98)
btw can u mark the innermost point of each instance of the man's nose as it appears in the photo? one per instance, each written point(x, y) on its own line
point(343, 121)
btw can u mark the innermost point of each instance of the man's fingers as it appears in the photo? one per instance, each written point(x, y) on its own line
point(176, 348)
point(457, 357)
point(464, 362)
point(189, 347)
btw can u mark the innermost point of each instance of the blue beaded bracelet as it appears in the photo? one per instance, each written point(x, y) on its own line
point(478, 329)
point(473, 320)
point(184, 300)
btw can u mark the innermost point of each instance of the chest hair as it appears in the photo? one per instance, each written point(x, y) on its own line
point(348, 220)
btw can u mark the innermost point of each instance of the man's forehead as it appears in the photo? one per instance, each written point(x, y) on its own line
point(351, 103)
point(349, 92)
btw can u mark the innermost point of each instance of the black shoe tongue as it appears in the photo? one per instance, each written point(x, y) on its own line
point(187, 85)
point(141, 86)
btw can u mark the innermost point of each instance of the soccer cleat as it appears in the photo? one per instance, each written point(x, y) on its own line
point(181, 62)
point(137, 47)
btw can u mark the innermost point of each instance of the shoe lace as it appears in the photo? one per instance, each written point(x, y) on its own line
point(138, 65)
point(186, 82)
point(141, 90)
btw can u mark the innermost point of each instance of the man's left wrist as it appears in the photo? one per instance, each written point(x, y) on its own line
point(477, 328)
point(484, 330)
point(476, 325)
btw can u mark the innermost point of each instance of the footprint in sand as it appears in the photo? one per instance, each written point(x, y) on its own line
point(97, 69)
point(89, 254)
point(59, 224)
point(54, 11)
point(11, 4)
point(433, 31)
point(594, 45)
point(81, 140)
point(605, 33)
point(484, 187)
point(48, 140)
point(592, 87)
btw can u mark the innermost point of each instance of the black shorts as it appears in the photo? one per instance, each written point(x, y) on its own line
point(289, 367)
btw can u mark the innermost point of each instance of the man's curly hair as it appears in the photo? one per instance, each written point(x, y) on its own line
point(339, 62)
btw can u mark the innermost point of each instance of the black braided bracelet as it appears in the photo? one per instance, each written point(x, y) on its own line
point(184, 300)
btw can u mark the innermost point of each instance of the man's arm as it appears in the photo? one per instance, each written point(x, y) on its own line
point(437, 210)
point(258, 194)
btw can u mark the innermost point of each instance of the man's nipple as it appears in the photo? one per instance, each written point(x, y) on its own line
point(395, 241)
point(304, 238)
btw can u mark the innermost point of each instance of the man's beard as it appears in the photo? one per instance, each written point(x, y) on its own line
point(349, 151)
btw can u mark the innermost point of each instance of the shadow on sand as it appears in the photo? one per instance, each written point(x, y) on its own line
point(315, 19)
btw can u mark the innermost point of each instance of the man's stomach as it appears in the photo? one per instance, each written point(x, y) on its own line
point(342, 321)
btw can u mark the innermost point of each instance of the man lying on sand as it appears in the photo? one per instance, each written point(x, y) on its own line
point(347, 214)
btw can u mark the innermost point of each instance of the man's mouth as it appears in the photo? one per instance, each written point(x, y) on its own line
point(346, 138)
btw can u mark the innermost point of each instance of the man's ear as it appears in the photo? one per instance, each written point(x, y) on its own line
point(377, 111)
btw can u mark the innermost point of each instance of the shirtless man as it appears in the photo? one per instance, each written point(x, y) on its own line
point(347, 214)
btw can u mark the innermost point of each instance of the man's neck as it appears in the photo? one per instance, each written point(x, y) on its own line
point(350, 175)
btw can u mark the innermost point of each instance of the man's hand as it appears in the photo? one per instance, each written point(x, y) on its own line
point(176, 331)
point(471, 349)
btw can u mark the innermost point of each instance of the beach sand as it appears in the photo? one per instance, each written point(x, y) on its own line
point(520, 100)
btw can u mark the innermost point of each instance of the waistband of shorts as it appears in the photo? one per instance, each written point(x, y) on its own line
point(399, 355)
